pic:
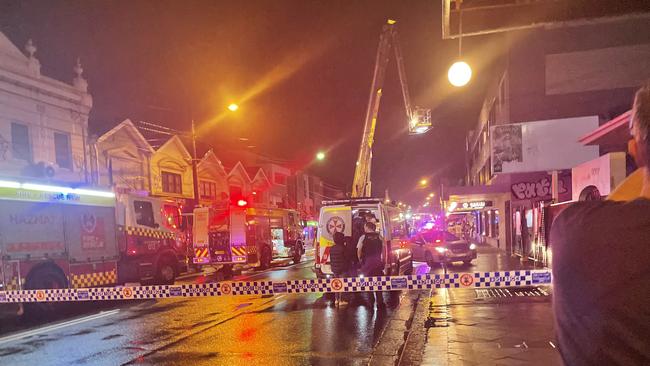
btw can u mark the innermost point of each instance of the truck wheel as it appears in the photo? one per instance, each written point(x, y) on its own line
point(265, 258)
point(166, 273)
point(46, 277)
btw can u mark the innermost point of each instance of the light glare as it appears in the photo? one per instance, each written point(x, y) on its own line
point(459, 74)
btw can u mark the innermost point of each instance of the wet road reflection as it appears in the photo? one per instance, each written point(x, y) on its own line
point(246, 330)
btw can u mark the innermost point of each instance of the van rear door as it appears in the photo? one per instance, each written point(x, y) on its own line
point(332, 219)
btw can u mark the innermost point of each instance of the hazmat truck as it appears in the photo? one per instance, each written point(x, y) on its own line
point(62, 237)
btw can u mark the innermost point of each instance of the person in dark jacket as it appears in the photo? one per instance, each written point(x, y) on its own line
point(338, 260)
point(371, 252)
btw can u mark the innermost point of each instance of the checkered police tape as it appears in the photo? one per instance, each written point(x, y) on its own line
point(234, 288)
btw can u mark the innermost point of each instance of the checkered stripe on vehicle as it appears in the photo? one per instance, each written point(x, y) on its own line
point(150, 233)
point(93, 279)
point(13, 284)
point(313, 285)
point(252, 288)
point(357, 284)
point(503, 278)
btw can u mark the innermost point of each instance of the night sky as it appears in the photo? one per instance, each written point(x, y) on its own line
point(300, 70)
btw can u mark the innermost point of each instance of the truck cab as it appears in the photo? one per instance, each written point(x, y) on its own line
point(349, 216)
point(151, 241)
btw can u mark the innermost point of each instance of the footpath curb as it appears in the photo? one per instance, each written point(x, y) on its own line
point(429, 331)
point(393, 339)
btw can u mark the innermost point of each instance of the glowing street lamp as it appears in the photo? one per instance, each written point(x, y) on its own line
point(424, 182)
point(431, 194)
point(233, 107)
point(320, 155)
point(459, 74)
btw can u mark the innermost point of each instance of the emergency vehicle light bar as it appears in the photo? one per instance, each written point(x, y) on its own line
point(56, 189)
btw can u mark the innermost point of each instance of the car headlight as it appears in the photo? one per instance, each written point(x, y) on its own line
point(441, 250)
point(472, 246)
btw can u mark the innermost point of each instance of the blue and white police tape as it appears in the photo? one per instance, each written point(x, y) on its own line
point(233, 288)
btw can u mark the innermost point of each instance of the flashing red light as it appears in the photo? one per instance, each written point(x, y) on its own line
point(241, 203)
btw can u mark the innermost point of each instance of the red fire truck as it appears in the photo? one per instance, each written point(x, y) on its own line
point(246, 235)
point(61, 237)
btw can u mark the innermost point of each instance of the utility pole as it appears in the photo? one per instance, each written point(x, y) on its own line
point(195, 173)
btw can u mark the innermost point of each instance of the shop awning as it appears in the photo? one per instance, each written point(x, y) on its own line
point(614, 132)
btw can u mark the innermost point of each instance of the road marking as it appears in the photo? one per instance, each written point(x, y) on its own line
point(53, 327)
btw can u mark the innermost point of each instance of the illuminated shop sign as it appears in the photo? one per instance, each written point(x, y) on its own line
point(473, 205)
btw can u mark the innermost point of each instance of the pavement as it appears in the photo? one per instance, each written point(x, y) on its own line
point(484, 327)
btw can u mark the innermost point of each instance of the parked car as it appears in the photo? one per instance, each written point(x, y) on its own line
point(437, 246)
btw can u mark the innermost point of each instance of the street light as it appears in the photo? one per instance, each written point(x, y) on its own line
point(320, 155)
point(459, 73)
point(233, 107)
point(431, 194)
point(423, 182)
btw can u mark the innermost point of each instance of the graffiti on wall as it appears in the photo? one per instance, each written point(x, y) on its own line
point(536, 189)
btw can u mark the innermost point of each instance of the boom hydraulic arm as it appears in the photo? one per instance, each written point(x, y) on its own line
point(419, 118)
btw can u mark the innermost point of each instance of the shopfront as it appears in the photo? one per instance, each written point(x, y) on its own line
point(531, 192)
point(477, 214)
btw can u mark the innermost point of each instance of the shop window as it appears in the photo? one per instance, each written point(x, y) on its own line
point(171, 183)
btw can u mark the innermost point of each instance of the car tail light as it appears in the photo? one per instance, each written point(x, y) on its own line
point(403, 244)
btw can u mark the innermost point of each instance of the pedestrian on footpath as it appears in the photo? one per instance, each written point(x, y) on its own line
point(370, 250)
point(601, 265)
point(339, 262)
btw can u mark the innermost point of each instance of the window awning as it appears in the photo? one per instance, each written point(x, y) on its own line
point(614, 132)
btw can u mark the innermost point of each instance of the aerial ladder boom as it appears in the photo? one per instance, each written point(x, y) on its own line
point(419, 118)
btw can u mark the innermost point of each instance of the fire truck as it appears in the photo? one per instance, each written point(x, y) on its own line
point(61, 237)
point(151, 239)
point(246, 235)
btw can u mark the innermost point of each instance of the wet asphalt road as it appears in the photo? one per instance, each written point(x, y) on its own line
point(298, 329)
